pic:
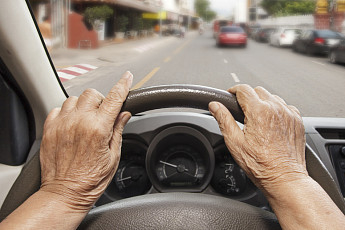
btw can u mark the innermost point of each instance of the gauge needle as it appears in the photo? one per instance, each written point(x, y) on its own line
point(126, 178)
point(171, 165)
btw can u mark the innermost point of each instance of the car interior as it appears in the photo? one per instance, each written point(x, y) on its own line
point(146, 191)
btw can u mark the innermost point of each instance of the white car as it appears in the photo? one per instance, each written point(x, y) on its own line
point(284, 36)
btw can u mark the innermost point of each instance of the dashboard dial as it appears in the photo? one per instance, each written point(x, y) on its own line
point(131, 178)
point(180, 159)
point(228, 178)
point(180, 166)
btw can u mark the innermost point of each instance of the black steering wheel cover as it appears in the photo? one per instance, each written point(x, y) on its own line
point(188, 96)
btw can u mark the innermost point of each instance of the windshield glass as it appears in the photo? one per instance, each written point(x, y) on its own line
point(232, 29)
point(327, 34)
point(164, 42)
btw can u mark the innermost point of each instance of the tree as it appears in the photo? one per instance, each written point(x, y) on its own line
point(288, 7)
point(202, 8)
point(101, 13)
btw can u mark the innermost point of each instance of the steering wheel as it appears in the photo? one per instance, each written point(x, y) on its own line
point(174, 210)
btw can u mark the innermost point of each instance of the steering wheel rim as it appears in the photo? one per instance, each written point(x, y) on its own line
point(145, 99)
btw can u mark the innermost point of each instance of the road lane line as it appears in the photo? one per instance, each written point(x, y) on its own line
point(225, 61)
point(167, 59)
point(146, 78)
point(234, 76)
point(181, 47)
point(316, 62)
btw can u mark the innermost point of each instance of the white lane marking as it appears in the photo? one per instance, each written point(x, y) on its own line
point(234, 76)
point(88, 66)
point(225, 61)
point(76, 69)
point(65, 75)
point(316, 62)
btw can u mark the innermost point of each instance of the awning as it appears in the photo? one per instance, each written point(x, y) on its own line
point(156, 16)
point(140, 5)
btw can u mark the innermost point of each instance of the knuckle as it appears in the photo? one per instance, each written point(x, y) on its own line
point(90, 91)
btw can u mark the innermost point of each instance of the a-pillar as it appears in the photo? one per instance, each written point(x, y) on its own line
point(322, 21)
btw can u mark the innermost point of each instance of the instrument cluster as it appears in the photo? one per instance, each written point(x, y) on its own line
point(177, 159)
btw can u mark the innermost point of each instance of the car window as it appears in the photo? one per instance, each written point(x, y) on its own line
point(327, 34)
point(232, 29)
point(165, 42)
point(291, 31)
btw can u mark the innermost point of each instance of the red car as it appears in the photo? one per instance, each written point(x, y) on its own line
point(231, 35)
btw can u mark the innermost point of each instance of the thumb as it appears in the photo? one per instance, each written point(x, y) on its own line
point(116, 139)
point(233, 135)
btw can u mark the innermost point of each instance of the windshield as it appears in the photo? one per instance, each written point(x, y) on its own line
point(327, 34)
point(231, 29)
point(164, 42)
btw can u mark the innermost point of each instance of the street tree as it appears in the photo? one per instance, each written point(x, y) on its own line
point(288, 7)
point(202, 8)
point(98, 13)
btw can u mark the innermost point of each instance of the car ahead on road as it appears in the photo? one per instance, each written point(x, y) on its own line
point(314, 42)
point(217, 24)
point(231, 35)
point(143, 193)
point(337, 53)
point(284, 36)
point(263, 34)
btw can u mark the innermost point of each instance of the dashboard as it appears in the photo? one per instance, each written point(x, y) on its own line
point(185, 152)
point(178, 152)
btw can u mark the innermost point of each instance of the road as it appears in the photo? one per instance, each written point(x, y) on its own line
point(315, 86)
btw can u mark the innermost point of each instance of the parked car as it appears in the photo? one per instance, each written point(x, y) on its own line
point(263, 34)
point(231, 35)
point(254, 32)
point(337, 53)
point(284, 36)
point(316, 41)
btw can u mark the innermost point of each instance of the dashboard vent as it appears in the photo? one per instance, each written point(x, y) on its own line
point(332, 133)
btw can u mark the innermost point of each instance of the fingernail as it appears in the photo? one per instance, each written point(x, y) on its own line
point(126, 117)
point(129, 77)
point(213, 106)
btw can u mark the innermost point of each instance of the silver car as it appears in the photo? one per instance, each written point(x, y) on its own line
point(284, 36)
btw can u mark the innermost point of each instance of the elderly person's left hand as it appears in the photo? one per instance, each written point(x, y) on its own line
point(81, 145)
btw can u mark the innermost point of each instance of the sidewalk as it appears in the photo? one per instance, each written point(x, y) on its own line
point(109, 53)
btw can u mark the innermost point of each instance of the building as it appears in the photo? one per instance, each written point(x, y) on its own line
point(255, 11)
point(240, 11)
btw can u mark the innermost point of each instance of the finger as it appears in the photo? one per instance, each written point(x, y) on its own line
point(112, 104)
point(263, 93)
point(116, 139)
point(294, 109)
point(233, 135)
point(69, 105)
point(281, 100)
point(52, 116)
point(246, 96)
point(90, 99)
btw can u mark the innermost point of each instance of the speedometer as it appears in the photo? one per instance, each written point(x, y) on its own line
point(180, 166)
point(180, 158)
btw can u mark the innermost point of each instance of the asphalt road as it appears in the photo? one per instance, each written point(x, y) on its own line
point(315, 86)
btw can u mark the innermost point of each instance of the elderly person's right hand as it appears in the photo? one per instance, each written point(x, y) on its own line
point(271, 150)
point(271, 147)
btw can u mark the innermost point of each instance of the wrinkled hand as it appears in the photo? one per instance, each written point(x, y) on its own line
point(81, 145)
point(271, 147)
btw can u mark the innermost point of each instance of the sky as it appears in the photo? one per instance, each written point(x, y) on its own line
point(224, 8)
